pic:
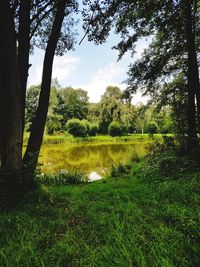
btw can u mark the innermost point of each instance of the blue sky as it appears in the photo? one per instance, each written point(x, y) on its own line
point(89, 67)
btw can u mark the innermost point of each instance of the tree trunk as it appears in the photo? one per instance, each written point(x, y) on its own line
point(11, 126)
point(195, 12)
point(192, 76)
point(35, 140)
point(24, 49)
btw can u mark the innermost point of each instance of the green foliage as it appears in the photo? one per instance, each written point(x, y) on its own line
point(64, 104)
point(152, 127)
point(169, 164)
point(143, 115)
point(94, 129)
point(120, 170)
point(115, 105)
point(87, 125)
point(173, 49)
point(62, 178)
point(168, 159)
point(179, 106)
point(115, 129)
point(94, 110)
point(77, 128)
point(143, 220)
point(53, 119)
point(72, 103)
point(109, 107)
point(81, 128)
point(53, 123)
point(32, 97)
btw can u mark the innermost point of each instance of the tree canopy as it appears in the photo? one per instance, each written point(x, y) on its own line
point(173, 27)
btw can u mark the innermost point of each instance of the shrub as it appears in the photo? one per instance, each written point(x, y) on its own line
point(152, 128)
point(124, 129)
point(87, 125)
point(168, 165)
point(120, 170)
point(94, 129)
point(131, 129)
point(115, 129)
point(77, 128)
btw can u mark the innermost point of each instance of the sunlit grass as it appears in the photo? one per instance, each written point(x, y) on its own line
point(66, 138)
point(144, 219)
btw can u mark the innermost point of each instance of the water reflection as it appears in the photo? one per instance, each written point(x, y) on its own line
point(95, 160)
point(94, 176)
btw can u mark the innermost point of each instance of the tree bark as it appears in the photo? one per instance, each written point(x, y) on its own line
point(35, 140)
point(195, 12)
point(24, 49)
point(192, 77)
point(11, 126)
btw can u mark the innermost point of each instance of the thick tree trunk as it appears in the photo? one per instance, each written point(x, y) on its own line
point(24, 49)
point(193, 77)
point(11, 126)
point(35, 140)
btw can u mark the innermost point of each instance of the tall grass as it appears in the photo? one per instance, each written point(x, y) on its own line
point(146, 219)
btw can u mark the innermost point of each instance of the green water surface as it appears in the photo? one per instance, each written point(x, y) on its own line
point(95, 160)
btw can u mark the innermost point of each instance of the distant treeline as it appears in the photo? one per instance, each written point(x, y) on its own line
point(114, 114)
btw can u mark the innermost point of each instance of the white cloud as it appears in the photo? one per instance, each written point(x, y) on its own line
point(109, 75)
point(113, 74)
point(138, 98)
point(63, 67)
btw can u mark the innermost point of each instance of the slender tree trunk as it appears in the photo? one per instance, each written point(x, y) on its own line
point(195, 12)
point(35, 140)
point(11, 126)
point(24, 49)
point(2, 103)
point(192, 76)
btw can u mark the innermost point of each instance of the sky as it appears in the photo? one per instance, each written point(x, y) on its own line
point(90, 67)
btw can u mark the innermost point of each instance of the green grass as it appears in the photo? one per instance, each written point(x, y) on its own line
point(143, 220)
point(65, 138)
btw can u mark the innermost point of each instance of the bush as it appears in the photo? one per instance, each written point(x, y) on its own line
point(152, 128)
point(120, 170)
point(124, 129)
point(131, 129)
point(169, 165)
point(94, 129)
point(87, 125)
point(115, 129)
point(77, 128)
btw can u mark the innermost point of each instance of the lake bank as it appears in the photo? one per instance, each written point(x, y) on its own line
point(142, 219)
point(65, 138)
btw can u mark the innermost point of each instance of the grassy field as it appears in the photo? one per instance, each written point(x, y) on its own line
point(144, 219)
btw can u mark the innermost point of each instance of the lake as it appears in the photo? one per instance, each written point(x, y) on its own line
point(94, 159)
